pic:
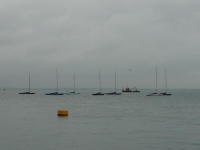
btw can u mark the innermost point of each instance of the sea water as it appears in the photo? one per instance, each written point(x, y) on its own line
point(126, 122)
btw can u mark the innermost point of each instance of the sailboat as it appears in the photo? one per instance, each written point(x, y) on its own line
point(55, 93)
point(74, 92)
point(99, 93)
point(28, 88)
point(165, 93)
point(114, 93)
point(155, 94)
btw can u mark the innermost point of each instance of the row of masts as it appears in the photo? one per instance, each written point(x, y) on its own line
point(160, 94)
point(74, 92)
point(100, 93)
point(54, 93)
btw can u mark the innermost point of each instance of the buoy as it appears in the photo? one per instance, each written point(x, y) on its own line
point(62, 112)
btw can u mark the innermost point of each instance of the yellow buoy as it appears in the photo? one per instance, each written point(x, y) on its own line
point(62, 112)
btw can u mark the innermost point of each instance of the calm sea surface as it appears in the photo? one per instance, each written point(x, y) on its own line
point(131, 121)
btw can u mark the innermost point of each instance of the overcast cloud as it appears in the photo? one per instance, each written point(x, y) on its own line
point(131, 37)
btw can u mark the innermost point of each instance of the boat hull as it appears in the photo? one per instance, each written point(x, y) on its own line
point(72, 93)
point(154, 94)
point(113, 93)
point(98, 94)
point(131, 91)
point(165, 94)
point(55, 93)
point(26, 93)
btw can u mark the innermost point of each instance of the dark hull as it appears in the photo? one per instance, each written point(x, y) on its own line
point(56, 93)
point(72, 93)
point(98, 94)
point(165, 94)
point(26, 93)
point(131, 91)
point(113, 93)
point(154, 94)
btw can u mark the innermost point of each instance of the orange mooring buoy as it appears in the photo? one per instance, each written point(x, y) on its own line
point(62, 112)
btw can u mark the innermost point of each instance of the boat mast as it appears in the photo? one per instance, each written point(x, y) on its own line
point(165, 81)
point(99, 81)
point(115, 81)
point(57, 78)
point(29, 83)
point(156, 79)
point(74, 82)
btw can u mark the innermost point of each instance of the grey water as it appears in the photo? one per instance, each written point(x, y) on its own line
point(126, 122)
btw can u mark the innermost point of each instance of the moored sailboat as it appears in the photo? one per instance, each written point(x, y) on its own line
point(165, 93)
point(114, 93)
point(74, 92)
point(99, 93)
point(28, 88)
point(155, 94)
point(55, 93)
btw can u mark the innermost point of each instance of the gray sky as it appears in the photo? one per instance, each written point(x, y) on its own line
point(131, 37)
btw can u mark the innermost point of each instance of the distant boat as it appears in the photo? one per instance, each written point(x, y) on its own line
point(130, 89)
point(74, 92)
point(114, 93)
point(155, 94)
point(165, 93)
point(55, 93)
point(28, 88)
point(99, 93)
